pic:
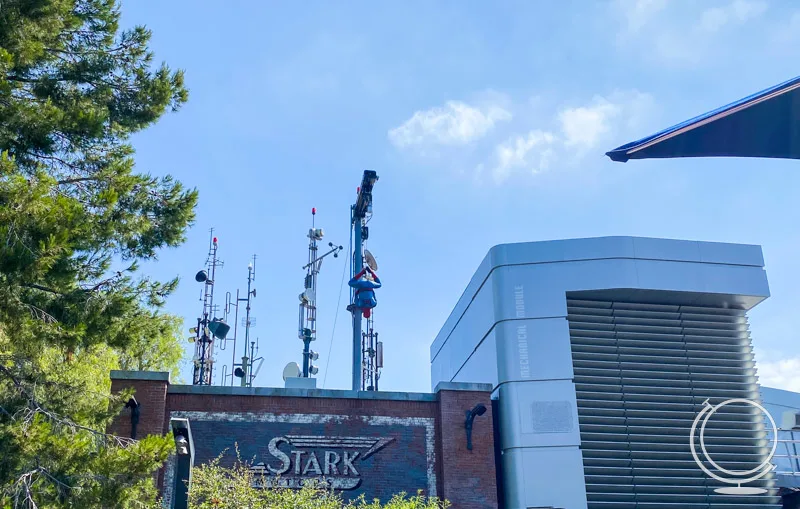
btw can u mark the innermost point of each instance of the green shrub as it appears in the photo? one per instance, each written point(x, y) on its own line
point(217, 487)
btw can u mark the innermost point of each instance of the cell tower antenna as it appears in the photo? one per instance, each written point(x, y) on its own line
point(208, 327)
point(371, 347)
point(307, 320)
point(247, 369)
point(372, 351)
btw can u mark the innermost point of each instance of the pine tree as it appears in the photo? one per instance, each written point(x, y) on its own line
point(76, 219)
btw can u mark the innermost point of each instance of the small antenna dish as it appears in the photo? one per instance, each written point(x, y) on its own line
point(370, 260)
point(292, 370)
point(201, 277)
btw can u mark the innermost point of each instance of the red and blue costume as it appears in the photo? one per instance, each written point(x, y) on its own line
point(365, 283)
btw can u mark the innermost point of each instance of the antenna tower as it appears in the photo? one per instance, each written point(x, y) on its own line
point(208, 328)
point(246, 370)
point(367, 351)
point(307, 321)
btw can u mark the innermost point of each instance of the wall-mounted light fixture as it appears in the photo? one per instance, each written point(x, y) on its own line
point(478, 409)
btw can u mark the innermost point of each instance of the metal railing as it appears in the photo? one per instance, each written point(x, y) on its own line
point(787, 453)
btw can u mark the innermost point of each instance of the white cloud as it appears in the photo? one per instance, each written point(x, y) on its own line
point(538, 140)
point(532, 152)
point(456, 123)
point(780, 374)
point(576, 130)
point(584, 126)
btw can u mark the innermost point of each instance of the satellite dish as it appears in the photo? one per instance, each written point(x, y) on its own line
point(371, 263)
point(201, 277)
point(292, 370)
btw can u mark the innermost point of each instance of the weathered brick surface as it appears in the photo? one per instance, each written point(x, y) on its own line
point(428, 451)
point(400, 465)
point(299, 405)
point(467, 478)
point(152, 398)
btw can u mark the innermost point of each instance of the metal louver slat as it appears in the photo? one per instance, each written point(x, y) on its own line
point(642, 373)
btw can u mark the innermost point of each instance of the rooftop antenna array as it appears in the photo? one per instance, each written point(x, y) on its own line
point(371, 348)
point(247, 369)
point(208, 328)
point(307, 320)
point(367, 352)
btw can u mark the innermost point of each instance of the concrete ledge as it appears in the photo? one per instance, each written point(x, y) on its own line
point(217, 390)
point(117, 374)
point(463, 386)
point(300, 382)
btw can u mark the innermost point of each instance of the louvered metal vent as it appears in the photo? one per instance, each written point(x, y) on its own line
point(642, 373)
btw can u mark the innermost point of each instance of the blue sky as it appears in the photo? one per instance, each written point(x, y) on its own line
point(486, 122)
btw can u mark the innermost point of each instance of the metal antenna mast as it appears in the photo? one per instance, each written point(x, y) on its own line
point(231, 303)
point(207, 328)
point(246, 370)
point(307, 321)
point(358, 214)
point(372, 350)
point(243, 370)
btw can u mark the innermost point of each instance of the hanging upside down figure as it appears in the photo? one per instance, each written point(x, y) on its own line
point(365, 283)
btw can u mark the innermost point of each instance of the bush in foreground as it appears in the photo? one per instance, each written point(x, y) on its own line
point(217, 487)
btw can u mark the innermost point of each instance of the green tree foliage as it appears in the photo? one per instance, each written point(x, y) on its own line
point(75, 221)
point(155, 346)
point(217, 487)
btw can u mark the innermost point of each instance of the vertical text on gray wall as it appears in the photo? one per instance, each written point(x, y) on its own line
point(522, 333)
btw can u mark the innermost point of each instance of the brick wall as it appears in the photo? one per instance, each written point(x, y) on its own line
point(299, 405)
point(151, 394)
point(427, 449)
point(467, 477)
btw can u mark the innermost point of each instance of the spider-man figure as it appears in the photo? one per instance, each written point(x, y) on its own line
point(365, 283)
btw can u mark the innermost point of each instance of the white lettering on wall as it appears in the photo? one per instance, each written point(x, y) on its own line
point(281, 459)
point(522, 333)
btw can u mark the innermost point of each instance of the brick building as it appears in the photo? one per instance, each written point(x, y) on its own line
point(593, 358)
point(371, 443)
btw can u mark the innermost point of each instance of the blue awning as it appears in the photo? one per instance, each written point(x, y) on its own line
point(766, 124)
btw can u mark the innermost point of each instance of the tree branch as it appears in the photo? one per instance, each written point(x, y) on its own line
point(76, 180)
point(34, 408)
point(34, 286)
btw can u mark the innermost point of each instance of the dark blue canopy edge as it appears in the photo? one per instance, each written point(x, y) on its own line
point(765, 124)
